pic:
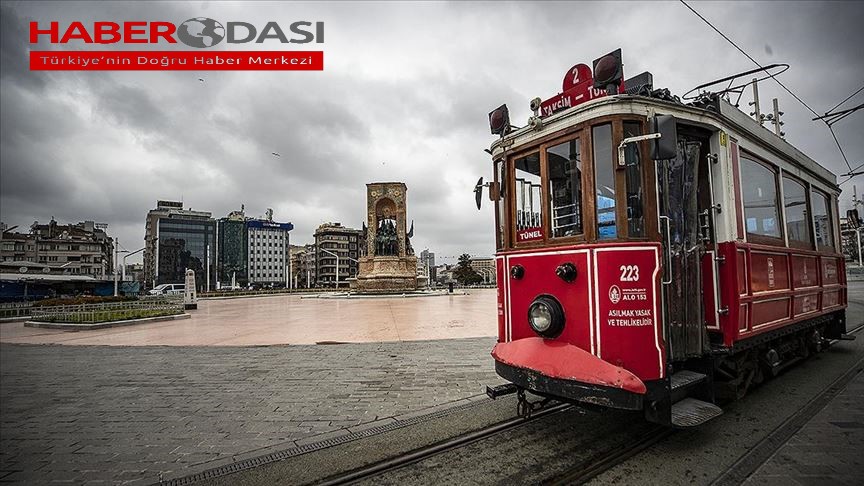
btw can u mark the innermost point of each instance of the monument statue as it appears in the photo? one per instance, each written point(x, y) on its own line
point(389, 264)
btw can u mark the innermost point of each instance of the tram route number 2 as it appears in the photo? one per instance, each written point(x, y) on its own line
point(629, 273)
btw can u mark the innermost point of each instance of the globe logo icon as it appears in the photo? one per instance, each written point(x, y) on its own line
point(201, 32)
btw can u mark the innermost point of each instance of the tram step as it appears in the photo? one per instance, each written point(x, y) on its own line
point(691, 412)
point(685, 379)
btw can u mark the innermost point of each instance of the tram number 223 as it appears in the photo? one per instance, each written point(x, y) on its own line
point(629, 273)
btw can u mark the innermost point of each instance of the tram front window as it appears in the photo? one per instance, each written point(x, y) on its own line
point(633, 174)
point(604, 181)
point(529, 208)
point(565, 188)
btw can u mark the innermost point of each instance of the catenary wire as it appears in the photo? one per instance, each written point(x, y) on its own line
point(748, 56)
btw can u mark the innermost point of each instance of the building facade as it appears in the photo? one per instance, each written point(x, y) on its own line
point(333, 239)
point(233, 250)
point(69, 249)
point(427, 265)
point(269, 254)
point(485, 267)
point(307, 267)
point(176, 239)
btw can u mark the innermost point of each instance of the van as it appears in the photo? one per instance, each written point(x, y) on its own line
point(168, 289)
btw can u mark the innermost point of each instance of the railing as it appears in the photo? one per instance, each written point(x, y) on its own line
point(110, 311)
point(15, 309)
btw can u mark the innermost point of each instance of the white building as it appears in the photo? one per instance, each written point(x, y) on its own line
point(269, 252)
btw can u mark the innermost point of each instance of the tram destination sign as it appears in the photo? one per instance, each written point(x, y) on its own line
point(577, 88)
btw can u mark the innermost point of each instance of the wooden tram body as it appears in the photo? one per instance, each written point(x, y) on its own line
point(660, 285)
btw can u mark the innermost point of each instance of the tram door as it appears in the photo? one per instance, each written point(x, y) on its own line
point(682, 184)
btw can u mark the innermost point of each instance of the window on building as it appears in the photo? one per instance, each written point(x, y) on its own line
point(797, 217)
point(759, 191)
point(604, 181)
point(824, 228)
point(565, 188)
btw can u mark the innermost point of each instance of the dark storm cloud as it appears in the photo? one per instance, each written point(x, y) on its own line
point(404, 96)
point(14, 50)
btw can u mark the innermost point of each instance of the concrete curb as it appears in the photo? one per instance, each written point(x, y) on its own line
point(103, 325)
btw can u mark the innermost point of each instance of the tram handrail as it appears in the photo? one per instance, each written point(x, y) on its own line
point(667, 254)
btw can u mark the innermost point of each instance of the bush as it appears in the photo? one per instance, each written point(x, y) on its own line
point(82, 299)
point(111, 316)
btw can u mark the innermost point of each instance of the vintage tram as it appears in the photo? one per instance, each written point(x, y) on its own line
point(656, 255)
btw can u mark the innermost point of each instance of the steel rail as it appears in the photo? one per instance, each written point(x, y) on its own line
point(603, 461)
point(418, 455)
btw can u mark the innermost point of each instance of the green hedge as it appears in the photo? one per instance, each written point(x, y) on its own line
point(83, 299)
point(111, 316)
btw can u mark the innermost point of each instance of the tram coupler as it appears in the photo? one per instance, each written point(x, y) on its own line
point(500, 390)
point(524, 407)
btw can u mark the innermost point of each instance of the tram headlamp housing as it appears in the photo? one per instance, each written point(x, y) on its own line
point(499, 121)
point(608, 72)
point(546, 316)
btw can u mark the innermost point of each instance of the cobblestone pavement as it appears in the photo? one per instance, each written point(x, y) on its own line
point(827, 450)
point(106, 415)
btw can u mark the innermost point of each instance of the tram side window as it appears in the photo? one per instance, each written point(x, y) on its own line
point(529, 208)
point(759, 191)
point(633, 175)
point(797, 217)
point(500, 204)
point(822, 221)
point(604, 181)
point(565, 188)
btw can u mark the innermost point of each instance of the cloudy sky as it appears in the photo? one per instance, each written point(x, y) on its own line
point(404, 96)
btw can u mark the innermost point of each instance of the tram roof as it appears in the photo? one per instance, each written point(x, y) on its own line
point(723, 116)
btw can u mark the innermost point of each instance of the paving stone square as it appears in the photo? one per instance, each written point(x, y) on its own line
point(87, 414)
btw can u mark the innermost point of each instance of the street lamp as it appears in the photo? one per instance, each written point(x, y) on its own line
point(337, 264)
point(116, 256)
point(124, 262)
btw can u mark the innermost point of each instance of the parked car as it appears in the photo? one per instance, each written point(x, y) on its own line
point(168, 289)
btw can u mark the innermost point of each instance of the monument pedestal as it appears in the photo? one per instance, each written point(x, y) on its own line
point(386, 274)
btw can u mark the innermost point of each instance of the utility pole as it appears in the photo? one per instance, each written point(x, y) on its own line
point(207, 259)
point(116, 255)
point(855, 203)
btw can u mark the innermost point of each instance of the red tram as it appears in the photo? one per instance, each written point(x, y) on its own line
point(654, 255)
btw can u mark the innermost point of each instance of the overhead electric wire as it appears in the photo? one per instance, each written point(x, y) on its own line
point(748, 56)
point(844, 101)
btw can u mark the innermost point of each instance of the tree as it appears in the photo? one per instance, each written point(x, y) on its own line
point(464, 274)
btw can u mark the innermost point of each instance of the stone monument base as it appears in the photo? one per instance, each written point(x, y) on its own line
point(386, 274)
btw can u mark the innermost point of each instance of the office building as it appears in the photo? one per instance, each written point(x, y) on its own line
point(426, 265)
point(269, 254)
point(333, 239)
point(177, 239)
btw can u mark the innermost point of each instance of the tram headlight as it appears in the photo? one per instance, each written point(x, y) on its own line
point(546, 316)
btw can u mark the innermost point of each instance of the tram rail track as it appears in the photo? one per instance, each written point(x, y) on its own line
point(423, 453)
point(582, 472)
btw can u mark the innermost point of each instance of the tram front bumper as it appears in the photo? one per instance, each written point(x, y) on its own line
point(559, 369)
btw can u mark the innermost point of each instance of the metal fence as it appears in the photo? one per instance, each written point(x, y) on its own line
point(109, 311)
point(12, 310)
